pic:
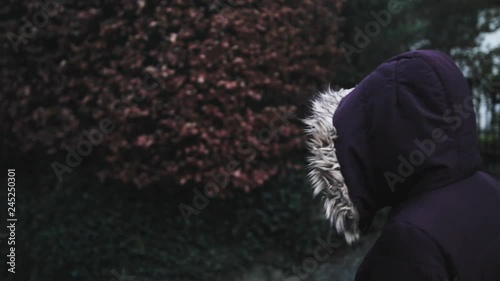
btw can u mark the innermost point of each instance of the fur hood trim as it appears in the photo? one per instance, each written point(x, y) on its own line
point(324, 168)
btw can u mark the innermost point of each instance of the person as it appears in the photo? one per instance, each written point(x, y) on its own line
point(406, 137)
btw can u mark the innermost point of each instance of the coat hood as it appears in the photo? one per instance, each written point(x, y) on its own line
point(408, 127)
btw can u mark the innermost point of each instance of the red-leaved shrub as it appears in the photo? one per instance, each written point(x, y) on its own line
point(192, 89)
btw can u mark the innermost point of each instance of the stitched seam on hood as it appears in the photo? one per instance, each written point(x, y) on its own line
point(449, 102)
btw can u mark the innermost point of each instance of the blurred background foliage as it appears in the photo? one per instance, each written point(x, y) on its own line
point(222, 68)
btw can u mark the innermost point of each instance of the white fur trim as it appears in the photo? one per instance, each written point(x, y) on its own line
point(324, 168)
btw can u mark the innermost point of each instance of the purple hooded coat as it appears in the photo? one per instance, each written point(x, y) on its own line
point(406, 137)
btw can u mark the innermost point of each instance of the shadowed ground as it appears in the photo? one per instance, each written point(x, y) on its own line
point(82, 230)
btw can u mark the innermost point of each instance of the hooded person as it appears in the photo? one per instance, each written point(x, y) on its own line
point(406, 137)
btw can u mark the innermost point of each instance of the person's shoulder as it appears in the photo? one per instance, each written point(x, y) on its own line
point(463, 206)
point(405, 241)
point(403, 251)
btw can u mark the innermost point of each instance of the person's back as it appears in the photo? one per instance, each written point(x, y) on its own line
point(406, 137)
point(452, 233)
